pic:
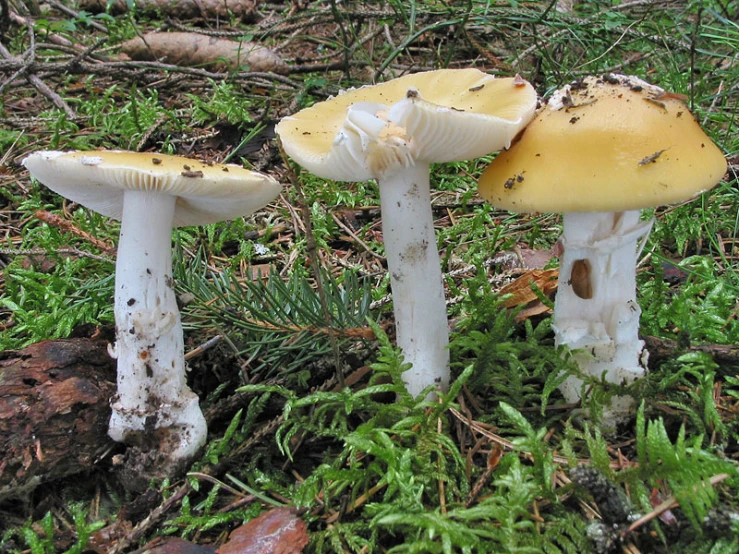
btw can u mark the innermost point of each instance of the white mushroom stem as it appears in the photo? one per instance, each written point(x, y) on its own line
point(381, 144)
point(415, 275)
point(596, 310)
point(152, 392)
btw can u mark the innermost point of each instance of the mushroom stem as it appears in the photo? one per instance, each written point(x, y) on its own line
point(152, 392)
point(596, 311)
point(415, 275)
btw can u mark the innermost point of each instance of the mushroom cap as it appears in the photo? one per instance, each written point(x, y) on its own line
point(605, 144)
point(436, 116)
point(205, 193)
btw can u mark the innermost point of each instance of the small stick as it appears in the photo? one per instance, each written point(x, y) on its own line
point(34, 80)
point(442, 489)
point(60, 223)
point(151, 520)
point(207, 345)
point(214, 481)
point(41, 252)
point(70, 12)
point(660, 349)
point(52, 37)
point(668, 504)
point(353, 235)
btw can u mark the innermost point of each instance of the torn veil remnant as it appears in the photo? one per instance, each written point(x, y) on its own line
point(602, 149)
point(150, 194)
point(392, 132)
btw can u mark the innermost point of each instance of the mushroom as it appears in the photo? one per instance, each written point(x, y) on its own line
point(602, 149)
point(392, 132)
point(149, 194)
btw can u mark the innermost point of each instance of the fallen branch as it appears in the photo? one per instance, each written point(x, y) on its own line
point(24, 71)
point(182, 9)
point(664, 349)
point(51, 37)
point(136, 70)
point(74, 14)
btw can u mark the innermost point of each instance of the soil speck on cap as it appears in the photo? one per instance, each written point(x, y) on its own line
point(652, 158)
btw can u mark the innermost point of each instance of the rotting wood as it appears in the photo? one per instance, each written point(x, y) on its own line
point(54, 411)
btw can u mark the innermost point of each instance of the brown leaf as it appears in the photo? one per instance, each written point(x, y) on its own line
point(279, 531)
point(522, 258)
point(524, 296)
point(534, 259)
point(536, 308)
point(545, 280)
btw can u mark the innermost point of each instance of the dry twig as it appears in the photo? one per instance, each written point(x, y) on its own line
point(24, 69)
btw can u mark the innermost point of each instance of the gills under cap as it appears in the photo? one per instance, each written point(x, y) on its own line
point(603, 144)
point(205, 193)
point(435, 116)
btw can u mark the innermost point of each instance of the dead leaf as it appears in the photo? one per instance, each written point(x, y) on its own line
point(537, 308)
point(279, 531)
point(523, 294)
point(534, 259)
point(195, 50)
point(544, 279)
point(522, 258)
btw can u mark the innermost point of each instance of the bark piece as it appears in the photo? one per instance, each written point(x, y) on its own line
point(54, 411)
point(181, 9)
point(195, 50)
